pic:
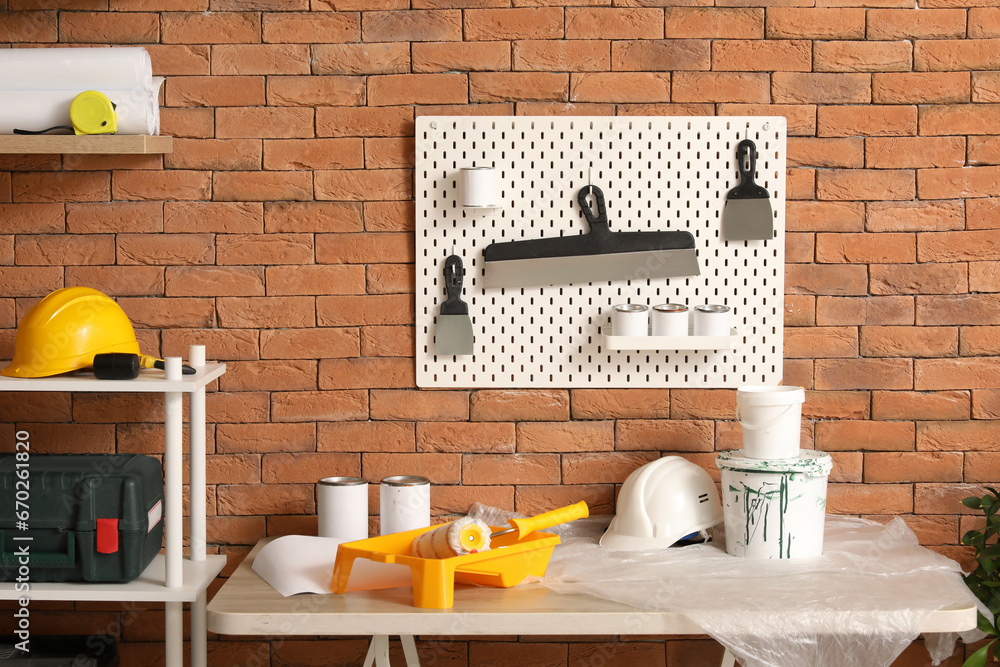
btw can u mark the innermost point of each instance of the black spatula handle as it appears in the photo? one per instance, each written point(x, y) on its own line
point(454, 274)
point(746, 162)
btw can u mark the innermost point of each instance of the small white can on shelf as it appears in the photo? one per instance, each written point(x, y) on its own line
point(478, 187)
point(404, 503)
point(712, 320)
point(630, 319)
point(342, 508)
point(669, 319)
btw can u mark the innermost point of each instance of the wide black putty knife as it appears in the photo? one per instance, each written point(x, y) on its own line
point(747, 216)
point(453, 335)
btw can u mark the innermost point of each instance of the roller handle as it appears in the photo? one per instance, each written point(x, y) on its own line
point(548, 519)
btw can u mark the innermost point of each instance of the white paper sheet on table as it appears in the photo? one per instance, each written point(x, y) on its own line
point(304, 564)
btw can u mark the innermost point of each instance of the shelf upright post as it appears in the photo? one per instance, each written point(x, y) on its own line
point(196, 431)
point(173, 525)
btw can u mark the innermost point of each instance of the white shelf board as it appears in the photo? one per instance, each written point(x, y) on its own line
point(149, 587)
point(150, 380)
point(690, 342)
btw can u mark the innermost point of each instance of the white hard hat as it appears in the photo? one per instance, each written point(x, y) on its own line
point(661, 503)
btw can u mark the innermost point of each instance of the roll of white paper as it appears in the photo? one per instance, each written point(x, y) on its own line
point(137, 111)
point(342, 508)
point(404, 503)
point(630, 319)
point(76, 68)
point(478, 187)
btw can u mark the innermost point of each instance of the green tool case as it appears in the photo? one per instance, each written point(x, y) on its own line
point(91, 517)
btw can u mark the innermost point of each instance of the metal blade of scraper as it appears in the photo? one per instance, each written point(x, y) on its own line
point(543, 271)
point(453, 335)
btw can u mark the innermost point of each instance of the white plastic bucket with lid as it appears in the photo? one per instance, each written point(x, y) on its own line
point(774, 509)
point(771, 418)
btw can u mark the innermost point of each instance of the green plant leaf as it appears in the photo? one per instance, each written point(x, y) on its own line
point(984, 624)
point(978, 659)
point(972, 502)
point(968, 537)
point(993, 491)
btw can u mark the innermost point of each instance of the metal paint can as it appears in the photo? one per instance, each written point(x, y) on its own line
point(630, 319)
point(712, 320)
point(670, 319)
point(342, 508)
point(404, 503)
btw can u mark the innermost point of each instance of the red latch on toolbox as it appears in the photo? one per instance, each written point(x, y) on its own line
point(107, 536)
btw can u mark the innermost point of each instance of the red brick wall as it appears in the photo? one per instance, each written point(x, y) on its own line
point(279, 233)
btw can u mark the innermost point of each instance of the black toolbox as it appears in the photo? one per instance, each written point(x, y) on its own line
point(90, 517)
point(61, 651)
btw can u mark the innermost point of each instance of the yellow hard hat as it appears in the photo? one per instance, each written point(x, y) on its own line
point(64, 331)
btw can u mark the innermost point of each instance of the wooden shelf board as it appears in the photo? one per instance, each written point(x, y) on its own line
point(108, 144)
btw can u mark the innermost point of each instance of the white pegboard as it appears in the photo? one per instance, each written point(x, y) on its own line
point(662, 173)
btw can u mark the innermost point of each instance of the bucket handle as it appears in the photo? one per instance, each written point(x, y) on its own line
point(761, 427)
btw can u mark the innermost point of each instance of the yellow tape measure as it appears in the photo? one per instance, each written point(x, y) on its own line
point(93, 113)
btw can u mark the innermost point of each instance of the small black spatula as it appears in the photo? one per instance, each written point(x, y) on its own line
point(453, 335)
point(747, 216)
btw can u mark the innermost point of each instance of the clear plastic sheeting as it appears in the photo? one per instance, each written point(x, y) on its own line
point(858, 605)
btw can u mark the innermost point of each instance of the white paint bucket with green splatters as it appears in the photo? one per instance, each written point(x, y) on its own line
point(774, 508)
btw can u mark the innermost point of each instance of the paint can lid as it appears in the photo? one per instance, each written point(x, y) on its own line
point(631, 308)
point(808, 462)
point(405, 480)
point(342, 481)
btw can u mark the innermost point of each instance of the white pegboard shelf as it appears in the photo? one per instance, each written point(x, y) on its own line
point(657, 174)
point(651, 342)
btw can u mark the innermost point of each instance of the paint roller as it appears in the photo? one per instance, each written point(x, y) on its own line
point(468, 535)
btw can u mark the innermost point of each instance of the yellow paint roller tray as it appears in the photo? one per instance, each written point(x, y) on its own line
point(511, 558)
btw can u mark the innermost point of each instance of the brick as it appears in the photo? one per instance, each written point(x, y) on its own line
point(210, 27)
point(388, 341)
point(861, 184)
point(412, 26)
point(367, 373)
point(982, 214)
point(914, 216)
point(619, 654)
point(309, 343)
point(868, 121)
point(959, 119)
point(824, 216)
point(979, 341)
point(40, 218)
point(254, 248)
point(463, 57)
point(958, 309)
point(438, 468)
point(936, 406)
point(864, 374)
point(119, 280)
point(420, 405)
point(943, 498)
point(30, 27)
point(510, 24)
point(739, 55)
point(166, 249)
point(246, 499)
point(315, 280)
point(233, 469)
point(956, 182)
point(821, 88)
point(665, 435)
point(920, 88)
point(158, 185)
point(914, 152)
point(982, 22)
point(515, 405)
point(190, 123)
point(800, 184)
point(565, 436)
point(748, 87)
point(155, 313)
point(834, 153)
point(26, 407)
point(481, 469)
point(800, 310)
point(179, 60)
point(957, 246)
point(310, 27)
point(909, 341)
point(238, 408)
point(105, 28)
point(600, 499)
point(68, 438)
point(815, 23)
point(229, 59)
point(649, 55)
point(262, 186)
point(984, 150)
point(614, 23)
point(979, 467)
point(312, 217)
point(859, 435)
point(836, 405)
point(307, 467)
point(614, 467)
point(972, 373)
point(951, 55)
point(234, 530)
point(209, 217)
point(310, 406)
point(215, 91)
point(360, 59)
point(858, 499)
point(924, 24)
point(221, 344)
point(48, 250)
point(482, 437)
point(518, 86)
point(380, 309)
point(115, 408)
point(399, 89)
point(266, 312)
point(564, 55)
point(821, 342)
point(619, 87)
point(355, 185)
point(985, 404)
point(800, 248)
point(309, 91)
point(714, 22)
point(60, 187)
point(866, 248)
point(30, 280)
point(390, 279)
point(365, 122)
point(619, 403)
point(892, 279)
point(225, 154)
point(365, 436)
point(213, 281)
point(839, 280)
point(886, 467)
point(278, 122)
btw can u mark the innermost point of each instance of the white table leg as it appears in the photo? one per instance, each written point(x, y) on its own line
point(174, 639)
point(728, 659)
point(199, 631)
point(173, 478)
point(196, 434)
point(410, 650)
point(378, 651)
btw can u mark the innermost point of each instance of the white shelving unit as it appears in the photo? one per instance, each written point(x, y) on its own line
point(170, 578)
